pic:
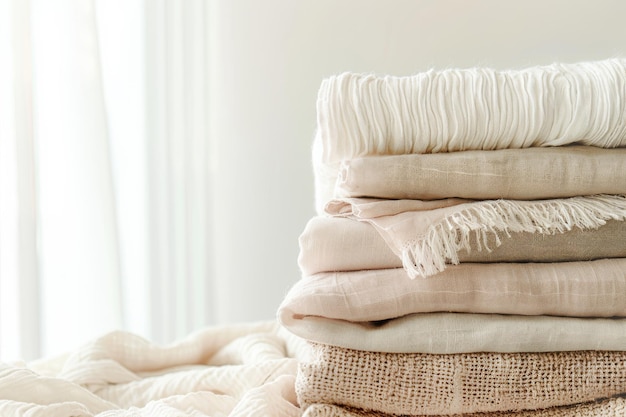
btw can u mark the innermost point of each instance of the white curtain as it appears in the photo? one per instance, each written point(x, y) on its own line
point(104, 172)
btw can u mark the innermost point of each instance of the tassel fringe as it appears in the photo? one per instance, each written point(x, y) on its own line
point(430, 254)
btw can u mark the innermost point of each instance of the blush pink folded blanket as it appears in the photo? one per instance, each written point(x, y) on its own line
point(575, 289)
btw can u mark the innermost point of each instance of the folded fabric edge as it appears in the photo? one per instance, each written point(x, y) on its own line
point(430, 254)
point(607, 407)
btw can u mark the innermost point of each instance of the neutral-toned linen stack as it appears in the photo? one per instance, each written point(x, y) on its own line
point(469, 251)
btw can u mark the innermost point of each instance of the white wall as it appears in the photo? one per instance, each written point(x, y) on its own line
point(268, 59)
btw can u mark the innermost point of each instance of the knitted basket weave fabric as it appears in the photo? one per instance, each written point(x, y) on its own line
point(434, 384)
point(612, 407)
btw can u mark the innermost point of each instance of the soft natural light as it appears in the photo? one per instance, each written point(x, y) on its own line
point(9, 323)
point(312, 208)
point(78, 234)
point(122, 45)
point(105, 182)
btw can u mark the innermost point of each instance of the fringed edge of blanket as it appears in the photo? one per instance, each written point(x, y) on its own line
point(431, 253)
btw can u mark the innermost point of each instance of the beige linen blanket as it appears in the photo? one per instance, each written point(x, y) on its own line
point(445, 333)
point(519, 174)
point(344, 244)
point(583, 289)
point(429, 239)
point(233, 370)
point(466, 109)
point(419, 384)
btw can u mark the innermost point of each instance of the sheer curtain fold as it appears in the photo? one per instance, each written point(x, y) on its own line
point(177, 82)
point(19, 293)
point(104, 176)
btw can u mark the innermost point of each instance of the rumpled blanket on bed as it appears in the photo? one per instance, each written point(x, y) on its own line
point(427, 240)
point(235, 370)
point(466, 109)
point(421, 384)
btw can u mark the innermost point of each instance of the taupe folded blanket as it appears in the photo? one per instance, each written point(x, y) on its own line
point(611, 407)
point(340, 244)
point(422, 384)
point(519, 174)
point(428, 240)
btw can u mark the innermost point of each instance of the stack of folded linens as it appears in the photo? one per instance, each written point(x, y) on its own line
point(469, 251)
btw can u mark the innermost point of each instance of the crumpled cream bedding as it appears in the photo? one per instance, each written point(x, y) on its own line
point(235, 370)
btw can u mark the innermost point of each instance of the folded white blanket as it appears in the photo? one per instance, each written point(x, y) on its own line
point(467, 109)
point(233, 370)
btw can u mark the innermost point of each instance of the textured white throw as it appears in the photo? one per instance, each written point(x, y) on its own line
point(235, 370)
point(467, 109)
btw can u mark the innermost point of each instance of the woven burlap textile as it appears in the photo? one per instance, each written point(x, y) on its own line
point(613, 407)
point(423, 384)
